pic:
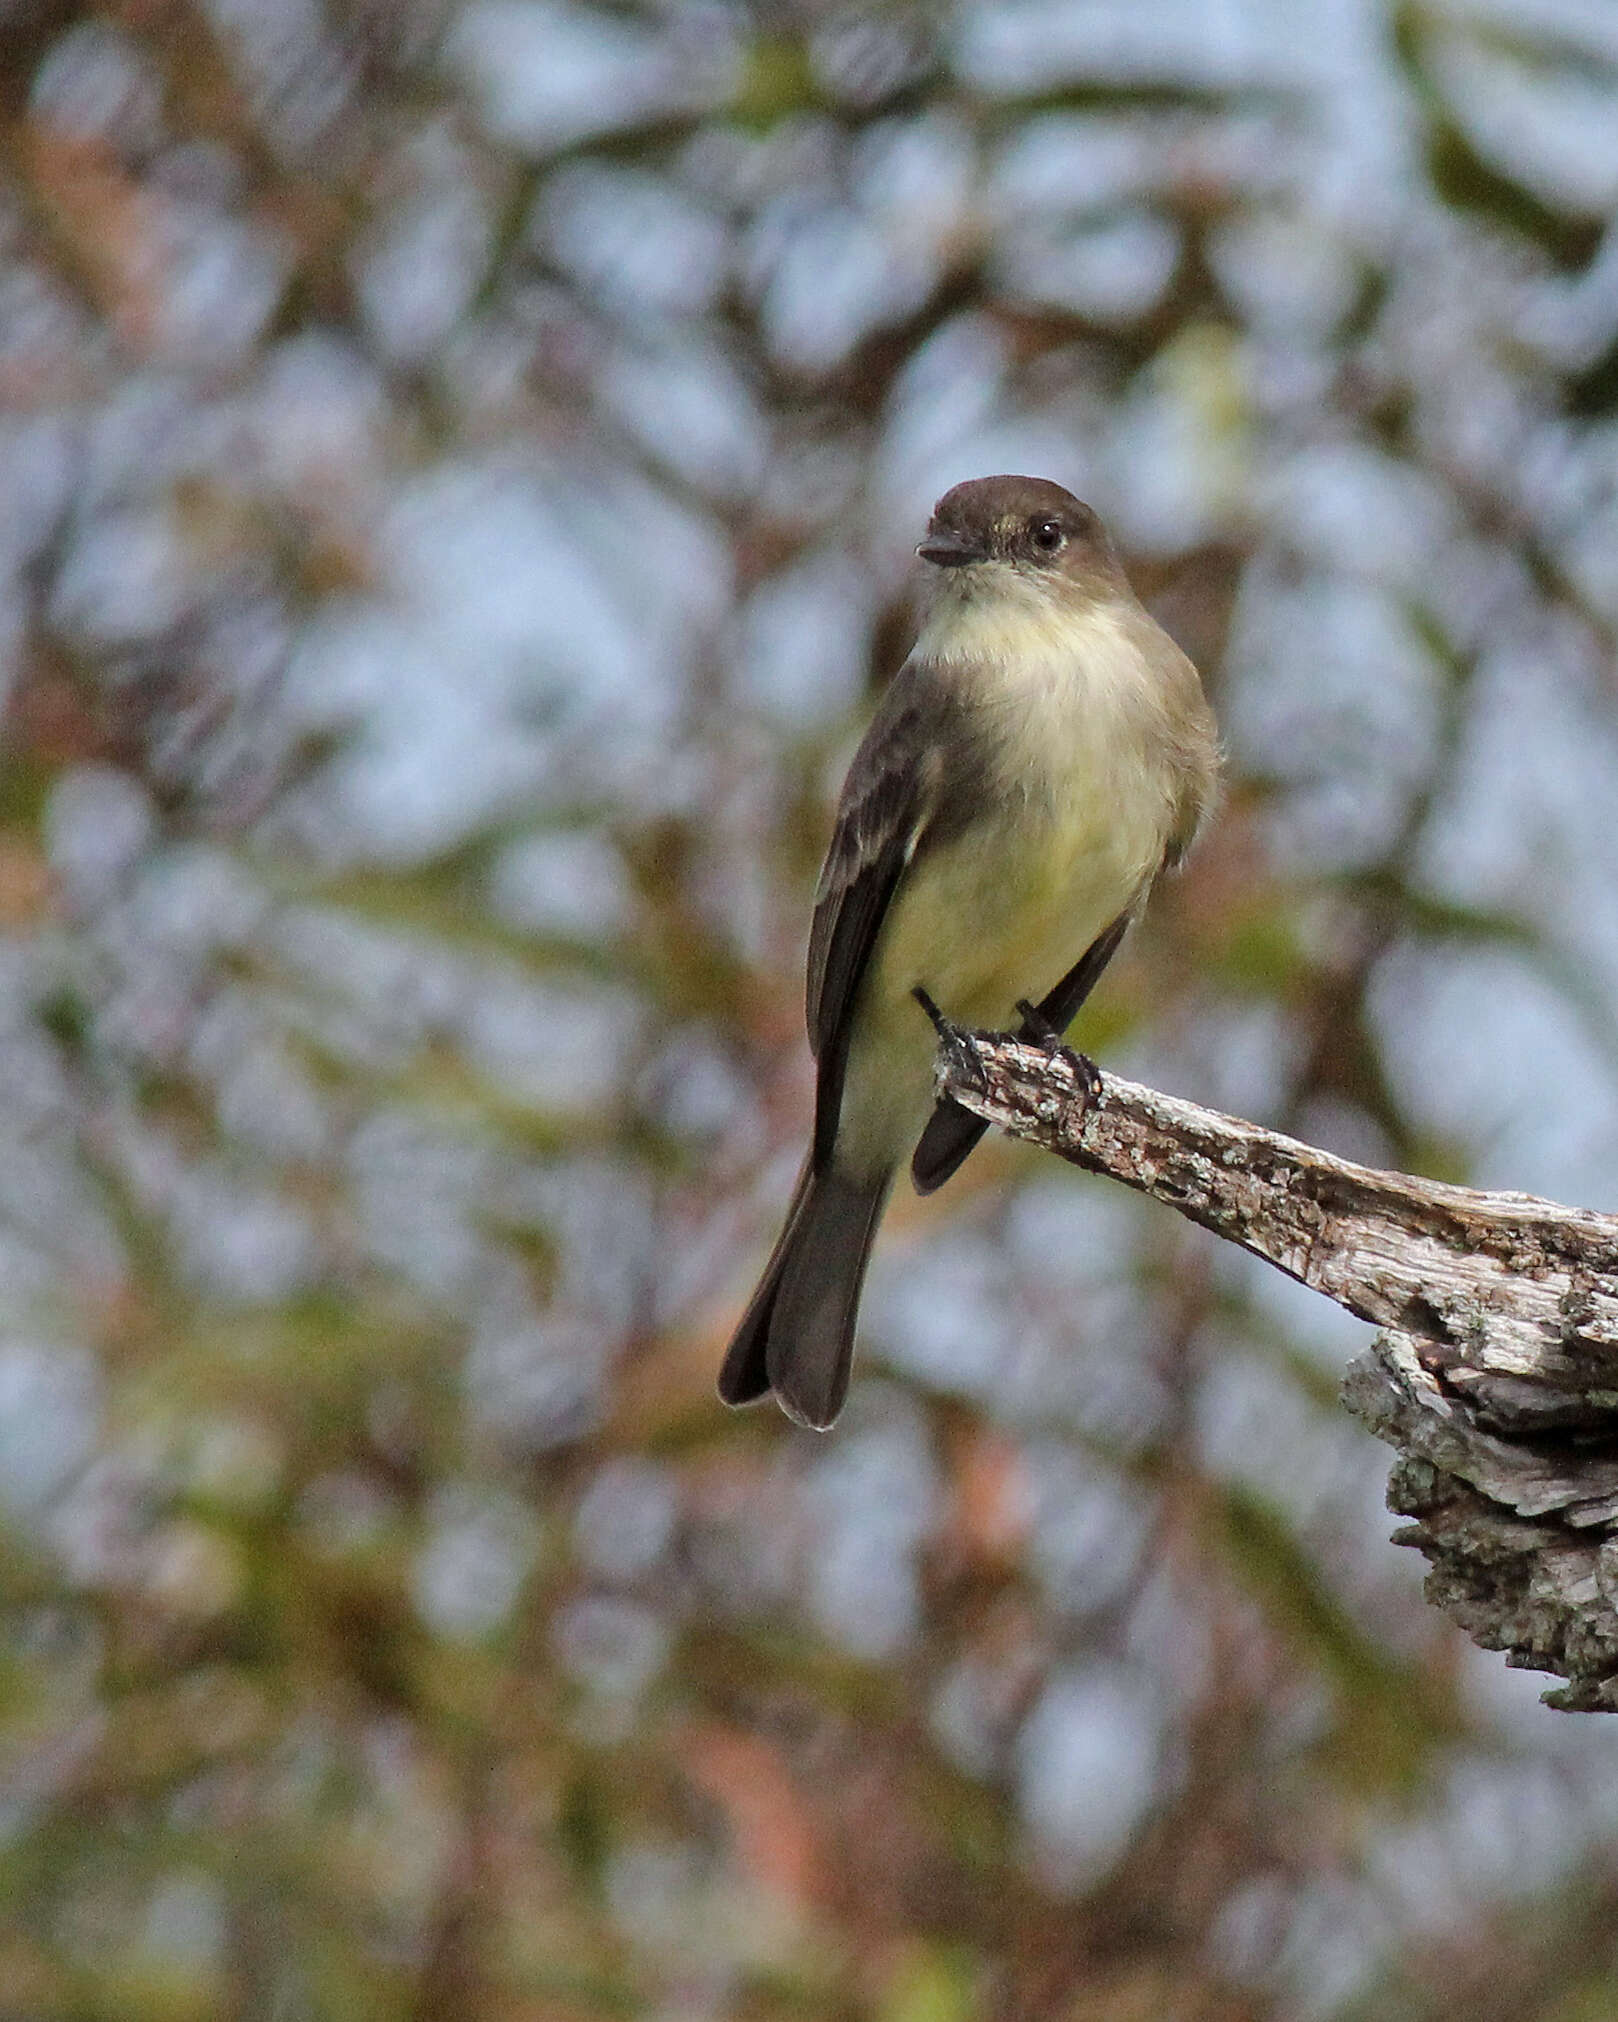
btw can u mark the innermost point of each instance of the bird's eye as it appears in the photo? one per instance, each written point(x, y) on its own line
point(1047, 536)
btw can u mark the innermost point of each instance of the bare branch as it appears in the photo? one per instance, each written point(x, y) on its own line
point(1494, 1373)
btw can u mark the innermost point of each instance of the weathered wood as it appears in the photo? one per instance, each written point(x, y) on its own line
point(1494, 1373)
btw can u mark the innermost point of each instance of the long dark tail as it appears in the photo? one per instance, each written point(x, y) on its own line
point(797, 1335)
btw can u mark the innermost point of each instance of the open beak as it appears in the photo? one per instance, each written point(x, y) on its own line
point(948, 550)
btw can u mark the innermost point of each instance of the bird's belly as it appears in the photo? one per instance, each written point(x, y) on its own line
point(1001, 913)
point(998, 916)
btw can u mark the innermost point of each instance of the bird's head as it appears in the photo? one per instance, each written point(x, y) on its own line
point(996, 530)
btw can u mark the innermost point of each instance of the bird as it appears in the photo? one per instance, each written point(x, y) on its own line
point(1042, 757)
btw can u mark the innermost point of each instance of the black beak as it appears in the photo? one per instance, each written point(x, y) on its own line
point(948, 550)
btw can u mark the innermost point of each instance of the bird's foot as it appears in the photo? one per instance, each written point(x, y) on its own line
point(954, 1043)
point(1039, 1030)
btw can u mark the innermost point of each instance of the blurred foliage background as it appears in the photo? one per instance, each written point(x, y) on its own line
point(460, 465)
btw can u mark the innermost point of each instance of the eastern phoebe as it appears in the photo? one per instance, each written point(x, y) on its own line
point(1040, 759)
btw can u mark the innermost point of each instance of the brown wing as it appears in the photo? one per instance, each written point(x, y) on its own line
point(886, 804)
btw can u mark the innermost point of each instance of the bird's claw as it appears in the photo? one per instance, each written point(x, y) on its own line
point(1037, 1027)
point(954, 1043)
point(1038, 1030)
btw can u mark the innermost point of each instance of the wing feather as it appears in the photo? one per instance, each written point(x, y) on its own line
point(887, 802)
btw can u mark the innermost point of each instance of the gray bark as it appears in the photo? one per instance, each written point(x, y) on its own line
point(1494, 1370)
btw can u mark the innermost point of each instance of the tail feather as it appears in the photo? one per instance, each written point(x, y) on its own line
point(810, 1347)
point(743, 1376)
point(797, 1335)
